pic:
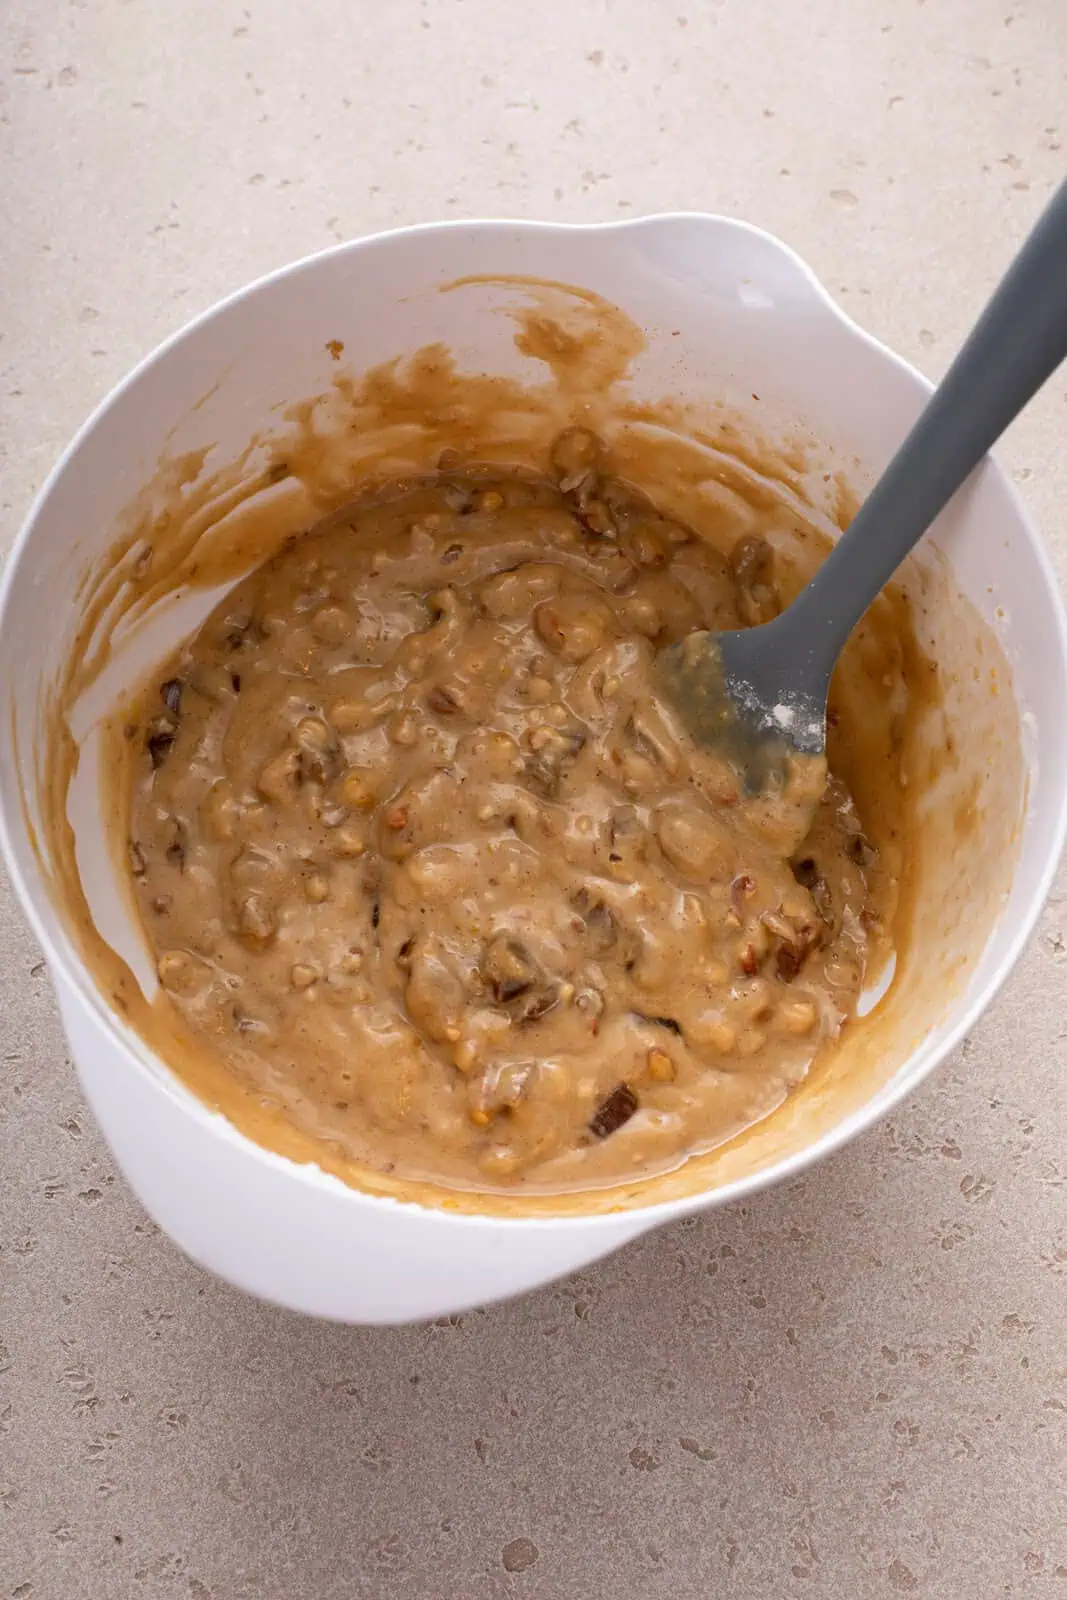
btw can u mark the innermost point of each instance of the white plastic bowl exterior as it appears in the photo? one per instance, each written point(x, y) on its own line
point(751, 317)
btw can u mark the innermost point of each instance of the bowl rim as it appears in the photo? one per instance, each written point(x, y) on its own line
point(66, 964)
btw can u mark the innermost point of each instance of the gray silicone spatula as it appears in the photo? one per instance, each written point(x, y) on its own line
point(761, 692)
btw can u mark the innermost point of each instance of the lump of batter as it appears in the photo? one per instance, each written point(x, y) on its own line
point(422, 858)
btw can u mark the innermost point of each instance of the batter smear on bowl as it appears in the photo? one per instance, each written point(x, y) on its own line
point(421, 857)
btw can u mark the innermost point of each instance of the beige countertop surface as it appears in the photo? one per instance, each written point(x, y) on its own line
point(854, 1385)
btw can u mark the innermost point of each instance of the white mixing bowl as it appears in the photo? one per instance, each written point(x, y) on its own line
point(731, 314)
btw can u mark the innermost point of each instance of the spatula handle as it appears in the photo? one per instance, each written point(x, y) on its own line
point(1018, 342)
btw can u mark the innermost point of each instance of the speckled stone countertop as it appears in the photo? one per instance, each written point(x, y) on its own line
point(853, 1385)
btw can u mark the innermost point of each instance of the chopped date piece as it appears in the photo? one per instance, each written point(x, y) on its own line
point(806, 871)
point(670, 1023)
point(600, 921)
point(536, 1003)
point(618, 1107)
point(158, 743)
point(171, 695)
point(443, 701)
point(138, 864)
point(555, 752)
point(245, 1023)
point(568, 744)
point(244, 630)
point(576, 460)
point(516, 980)
point(859, 850)
point(593, 514)
point(576, 453)
point(176, 849)
point(793, 950)
point(590, 1004)
point(508, 969)
point(458, 497)
point(320, 750)
point(788, 962)
point(740, 890)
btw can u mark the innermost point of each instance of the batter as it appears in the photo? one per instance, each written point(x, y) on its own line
point(421, 857)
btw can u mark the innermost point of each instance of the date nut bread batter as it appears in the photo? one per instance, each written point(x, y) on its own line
point(420, 855)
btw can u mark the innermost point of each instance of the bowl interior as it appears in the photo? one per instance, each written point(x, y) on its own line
point(733, 322)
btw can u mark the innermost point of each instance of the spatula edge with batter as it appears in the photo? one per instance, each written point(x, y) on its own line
point(758, 695)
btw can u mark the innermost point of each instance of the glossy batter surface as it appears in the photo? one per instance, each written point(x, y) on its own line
point(421, 857)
